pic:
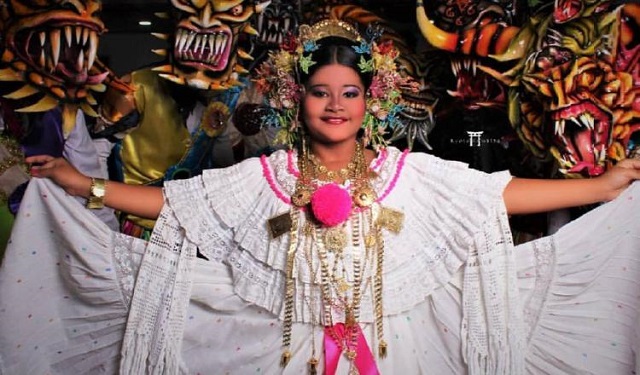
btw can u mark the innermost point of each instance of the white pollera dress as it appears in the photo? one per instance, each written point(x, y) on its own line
point(77, 297)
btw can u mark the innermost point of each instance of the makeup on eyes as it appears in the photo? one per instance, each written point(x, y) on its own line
point(350, 91)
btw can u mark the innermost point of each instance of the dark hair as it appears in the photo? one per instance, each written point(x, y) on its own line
point(337, 50)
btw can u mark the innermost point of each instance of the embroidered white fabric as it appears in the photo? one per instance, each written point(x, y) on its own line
point(491, 324)
point(64, 299)
point(579, 290)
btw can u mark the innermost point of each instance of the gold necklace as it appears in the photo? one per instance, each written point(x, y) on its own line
point(322, 173)
point(332, 280)
point(312, 172)
point(334, 239)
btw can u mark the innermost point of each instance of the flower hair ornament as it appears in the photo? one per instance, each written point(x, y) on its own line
point(280, 83)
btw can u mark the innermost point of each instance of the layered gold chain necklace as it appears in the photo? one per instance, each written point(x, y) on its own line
point(313, 174)
point(329, 208)
point(321, 172)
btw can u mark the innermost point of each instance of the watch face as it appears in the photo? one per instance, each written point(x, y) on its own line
point(96, 193)
point(98, 188)
point(99, 192)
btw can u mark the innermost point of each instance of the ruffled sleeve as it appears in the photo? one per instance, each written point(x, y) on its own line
point(64, 290)
point(455, 218)
point(448, 209)
point(222, 214)
point(458, 199)
point(225, 214)
point(222, 207)
point(579, 289)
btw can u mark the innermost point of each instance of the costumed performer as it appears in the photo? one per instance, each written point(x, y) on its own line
point(50, 79)
point(176, 122)
point(329, 257)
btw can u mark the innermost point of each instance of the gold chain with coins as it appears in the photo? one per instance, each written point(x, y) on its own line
point(322, 173)
point(333, 280)
point(356, 171)
point(312, 363)
point(289, 288)
point(334, 240)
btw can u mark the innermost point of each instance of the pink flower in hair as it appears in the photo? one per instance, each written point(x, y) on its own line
point(376, 88)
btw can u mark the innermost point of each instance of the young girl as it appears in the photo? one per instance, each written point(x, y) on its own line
point(331, 256)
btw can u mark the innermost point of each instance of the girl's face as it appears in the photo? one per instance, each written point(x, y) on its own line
point(334, 104)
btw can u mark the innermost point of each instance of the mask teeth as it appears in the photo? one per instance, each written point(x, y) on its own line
point(81, 41)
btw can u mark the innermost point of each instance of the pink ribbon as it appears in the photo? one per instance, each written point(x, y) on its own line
point(364, 361)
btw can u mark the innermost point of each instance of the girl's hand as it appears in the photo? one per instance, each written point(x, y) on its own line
point(618, 178)
point(61, 172)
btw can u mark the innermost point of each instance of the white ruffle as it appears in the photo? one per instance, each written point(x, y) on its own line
point(580, 292)
point(446, 204)
point(453, 215)
point(68, 316)
point(240, 202)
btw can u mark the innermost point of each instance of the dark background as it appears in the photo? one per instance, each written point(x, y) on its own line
point(126, 46)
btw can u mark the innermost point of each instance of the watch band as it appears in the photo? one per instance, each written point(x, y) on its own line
point(96, 193)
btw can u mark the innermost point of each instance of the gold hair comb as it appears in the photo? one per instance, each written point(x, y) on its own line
point(326, 28)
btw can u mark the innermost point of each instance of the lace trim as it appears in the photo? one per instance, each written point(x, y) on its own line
point(545, 255)
point(291, 164)
point(126, 269)
point(153, 336)
point(376, 164)
point(394, 180)
point(492, 320)
point(445, 204)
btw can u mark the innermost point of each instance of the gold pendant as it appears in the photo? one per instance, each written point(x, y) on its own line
point(279, 225)
point(285, 358)
point(313, 364)
point(351, 355)
point(391, 219)
point(370, 240)
point(301, 197)
point(382, 349)
point(335, 239)
point(343, 285)
point(364, 196)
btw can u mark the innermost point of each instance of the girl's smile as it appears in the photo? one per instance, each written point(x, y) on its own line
point(334, 120)
point(334, 105)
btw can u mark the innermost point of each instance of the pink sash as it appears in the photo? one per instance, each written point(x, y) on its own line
point(364, 361)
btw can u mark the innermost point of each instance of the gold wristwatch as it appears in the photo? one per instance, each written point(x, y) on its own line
point(96, 193)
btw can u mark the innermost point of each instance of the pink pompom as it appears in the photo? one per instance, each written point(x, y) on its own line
point(331, 204)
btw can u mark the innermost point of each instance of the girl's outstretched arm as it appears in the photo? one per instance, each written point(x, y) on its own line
point(525, 196)
point(139, 200)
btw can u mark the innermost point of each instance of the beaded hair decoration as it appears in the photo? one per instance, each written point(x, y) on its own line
point(280, 80)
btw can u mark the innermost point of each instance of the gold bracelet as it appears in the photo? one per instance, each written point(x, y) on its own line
point(97, 192)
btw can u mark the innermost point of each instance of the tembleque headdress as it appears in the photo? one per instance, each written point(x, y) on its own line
point(280, 80)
